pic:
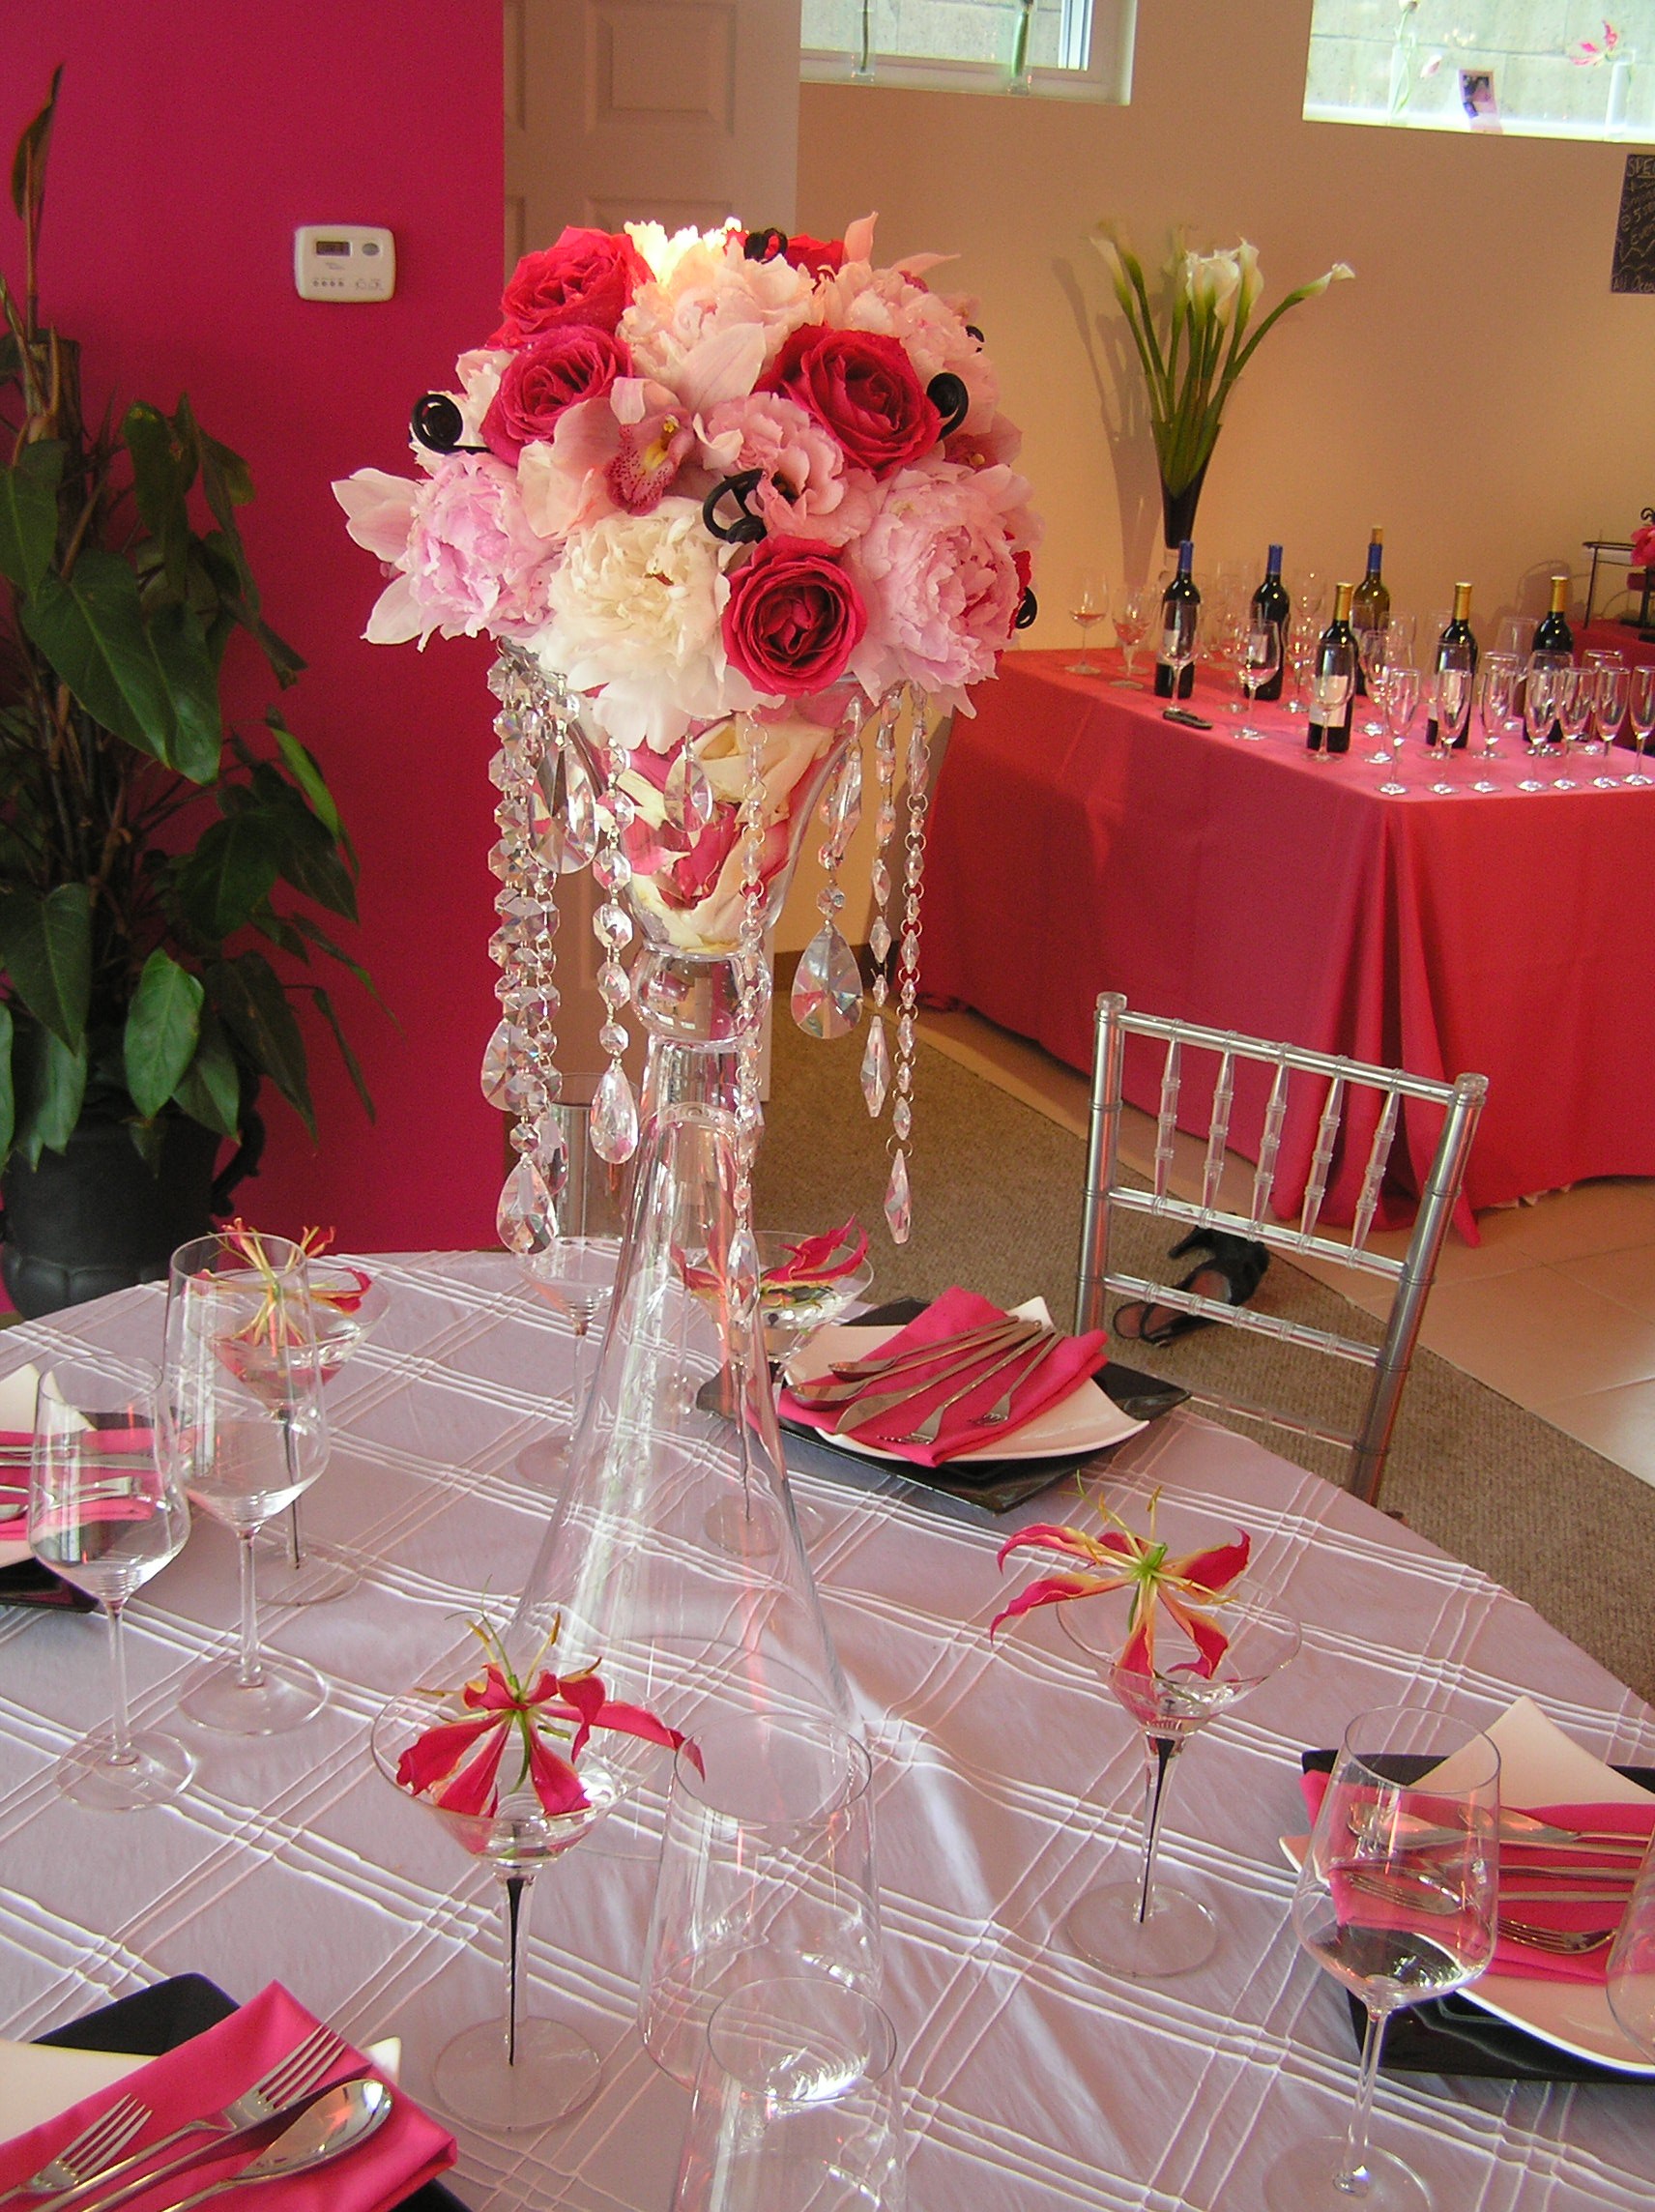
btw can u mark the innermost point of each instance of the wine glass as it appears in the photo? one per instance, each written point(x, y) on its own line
point(1402, 706)
point(1138, 1927)
point(243, 1426)
point(1372, 645)
point(1600, 658)
point(1608, 711)
point(1089, 605)
point(1332, 680)
point(1539, 704)
point(1515, 636)
point(106, 1514)
point(1496, 681)
point(294, 1569)
point(519, 2071)
point(1451, 691)
point(1396, 1915)
point(1572, 707)
point(1401, 631)
point(1261, 661)
point(1641, 714)
point(1134, 611)
point(575, 1276)
point(1302, 640)
point(1309, 596)
point(1180, 639)
point(1631, 1970)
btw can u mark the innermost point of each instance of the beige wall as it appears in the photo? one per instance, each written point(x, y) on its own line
point(1478, 390)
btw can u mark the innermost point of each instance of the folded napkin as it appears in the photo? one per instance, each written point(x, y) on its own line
point(1534, 1865)
point(18, 1443)
point(201, 2075)
point(956, 1311)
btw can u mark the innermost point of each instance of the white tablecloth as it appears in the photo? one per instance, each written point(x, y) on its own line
point(1005, 1779)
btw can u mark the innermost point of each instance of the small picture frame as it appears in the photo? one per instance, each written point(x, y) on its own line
point(1477, 99)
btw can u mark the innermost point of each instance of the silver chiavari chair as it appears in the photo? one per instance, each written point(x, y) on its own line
point(1461, 1102)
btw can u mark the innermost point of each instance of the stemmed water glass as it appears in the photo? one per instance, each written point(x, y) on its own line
point(1397, 1899)
point(1261, 661)
point(1134, 612)
point(1451, 703)
point(243, 1426)
point(1497, 679)
point(1641, 713)
point(1572, 706)
point(1140, 1927)
point(1088, 604)
point(106, 1514)
point(1402, 706)
point(1609, 712)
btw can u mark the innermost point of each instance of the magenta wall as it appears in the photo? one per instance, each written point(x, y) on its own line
point(191, 140)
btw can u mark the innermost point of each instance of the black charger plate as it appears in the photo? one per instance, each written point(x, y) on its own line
point(999, 1484)
point(27, 1583)
point(169, 2013)
point(1452, 2035)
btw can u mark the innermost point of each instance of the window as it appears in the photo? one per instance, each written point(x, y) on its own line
point(1540, 69)
point(1069, 49)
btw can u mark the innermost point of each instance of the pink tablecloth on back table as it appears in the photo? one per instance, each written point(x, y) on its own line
point(1079, 843)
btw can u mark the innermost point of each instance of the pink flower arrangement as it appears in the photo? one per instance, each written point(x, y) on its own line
point(704, 474)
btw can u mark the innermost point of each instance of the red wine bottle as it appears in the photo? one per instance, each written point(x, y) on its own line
point(1271, 604)
point(1180, 609)
point(1553, 635)
point(1457, 632)
point(1335, 650)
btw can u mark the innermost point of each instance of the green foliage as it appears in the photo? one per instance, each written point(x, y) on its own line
point(141, 843)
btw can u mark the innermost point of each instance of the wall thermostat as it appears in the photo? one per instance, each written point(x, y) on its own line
point(344, 261)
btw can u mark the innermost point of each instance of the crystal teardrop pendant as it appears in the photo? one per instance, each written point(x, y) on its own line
point(876, 1068)
point(526, 1218)
point(827, 986)
point(842, 808)
point(614, 1116)
point(496, 1067)
point(899, 1201)
point(688, 797)
point(566, 823)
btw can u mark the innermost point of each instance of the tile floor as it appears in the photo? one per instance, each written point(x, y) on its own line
point(1554, 1308)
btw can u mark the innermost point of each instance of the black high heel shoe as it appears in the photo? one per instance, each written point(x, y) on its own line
point(1236, 1267)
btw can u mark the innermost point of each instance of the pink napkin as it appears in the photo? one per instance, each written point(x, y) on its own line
point(16, 1528)
point(203, 2075)
point(1063, 1371)
point(1519, 1865)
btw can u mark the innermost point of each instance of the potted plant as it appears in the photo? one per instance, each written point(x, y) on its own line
point(142, 845)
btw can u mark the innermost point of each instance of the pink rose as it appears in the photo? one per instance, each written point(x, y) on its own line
point(553, 373)
point(862, 388)
point(792, 618)
point(820, 256)
point(589, 276)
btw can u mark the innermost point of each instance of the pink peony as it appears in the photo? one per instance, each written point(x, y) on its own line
point(588, 276)
point(938, 573)
point(803, 492)
point(466, 558)
point(554, 372)
point(792, 618)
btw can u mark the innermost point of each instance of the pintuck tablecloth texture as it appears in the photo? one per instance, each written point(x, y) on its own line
point(1081, 843)
point(1005, 1779)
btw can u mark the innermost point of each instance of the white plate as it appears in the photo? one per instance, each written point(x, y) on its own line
point(1086, 1420)
point(1541, 1765)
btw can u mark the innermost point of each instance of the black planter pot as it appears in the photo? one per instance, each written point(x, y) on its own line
point(1177, 509)
point(94, 1218)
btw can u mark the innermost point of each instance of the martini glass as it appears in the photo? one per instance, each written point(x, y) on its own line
point(1140, 1927)
point(519, 2070)
point(294, 1569)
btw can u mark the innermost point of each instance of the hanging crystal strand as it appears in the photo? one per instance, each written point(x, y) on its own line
point(752, 977)
point(876, 1056)
point(519, 1074)
point(898, 1205)
point(614, 1107)
point(828, 984)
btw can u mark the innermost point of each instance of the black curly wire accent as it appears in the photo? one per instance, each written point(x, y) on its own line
point(1028, 609)
point(767, 245)
point(971, 332)
point(749, 528)
point(1646, 514)
point(948, 394)
point(439, 426)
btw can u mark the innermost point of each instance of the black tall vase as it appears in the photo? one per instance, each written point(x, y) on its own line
point(1177, 509)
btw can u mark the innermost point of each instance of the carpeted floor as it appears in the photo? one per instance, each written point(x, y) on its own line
point(997, 1200)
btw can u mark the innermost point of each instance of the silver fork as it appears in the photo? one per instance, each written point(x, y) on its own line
point(1001, 1409)
point(79, 2162)
point(288, 2080)
point(1562, 1942)
point(931, 1427)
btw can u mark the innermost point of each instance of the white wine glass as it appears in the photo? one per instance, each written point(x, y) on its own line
point(1396, 1914)
point(242, 1425)
point(1261, 661)
point(1572, 708)
point(1610, 690)
point(106, 1514)
point(1089, 605)
point(1641, 714)
point(1309, 597)
point(1402, 709)
point(1134, 612)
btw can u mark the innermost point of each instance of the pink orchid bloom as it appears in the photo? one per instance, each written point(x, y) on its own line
point(1587, 53)
point(1187, 1587)
point(825, 1258)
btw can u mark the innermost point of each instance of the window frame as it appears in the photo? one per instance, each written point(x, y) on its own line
point(1108, 28)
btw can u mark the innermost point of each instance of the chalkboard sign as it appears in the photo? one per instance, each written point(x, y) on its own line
point(1635, 233)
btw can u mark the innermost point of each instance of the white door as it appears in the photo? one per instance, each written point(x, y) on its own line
point(670, 111)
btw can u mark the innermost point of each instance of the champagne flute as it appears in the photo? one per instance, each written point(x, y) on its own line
point(1573, 707)
point(1641, 714)
point(106, 1514)
point(1261, 660)
point(1451, 704)
point(1088, 604)
point(1609, 712)
point(1496, 681)
point(1539, 701)
point(1595, 662)
point(1395, 1914)
point(1402, 706)
point(1133, 615)
point(242, 1425)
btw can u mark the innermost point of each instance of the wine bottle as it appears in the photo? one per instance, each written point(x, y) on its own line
point(1553, 635)
point(1271, 604)
point(1457, 632)
point(1335, 650)
point(1180, 606)
point(1371, 604)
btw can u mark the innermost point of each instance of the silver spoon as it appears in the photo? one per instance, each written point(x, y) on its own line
point(1514, 1827)
point(335, 2123)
